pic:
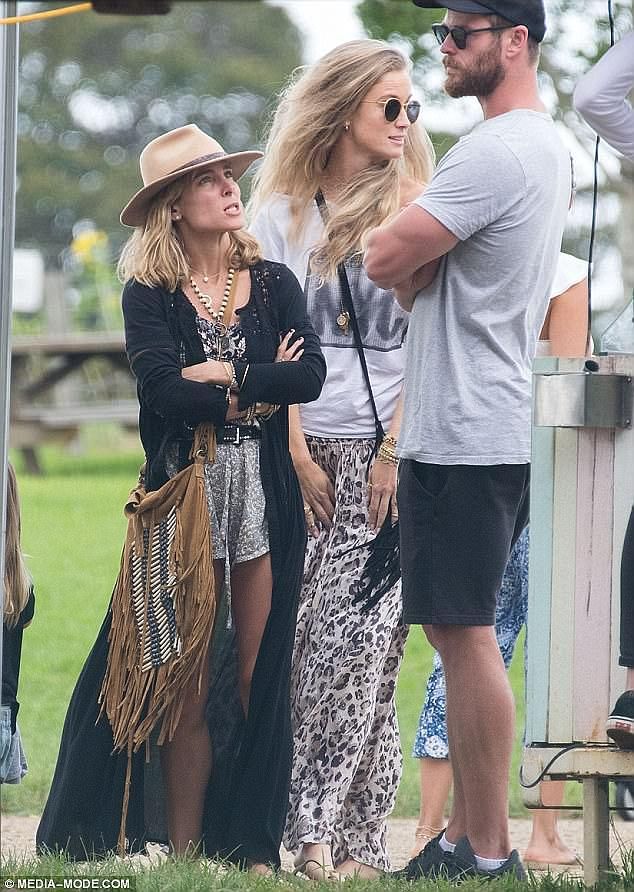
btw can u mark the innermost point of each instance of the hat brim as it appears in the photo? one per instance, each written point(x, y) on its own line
point(454, 5)
point(135, 211)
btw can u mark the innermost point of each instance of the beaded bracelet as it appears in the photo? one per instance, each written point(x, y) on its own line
point(230, 369)
point(266, 410)
point(249, 415)
point(387, 451)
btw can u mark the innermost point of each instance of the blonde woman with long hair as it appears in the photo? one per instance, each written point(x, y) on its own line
point(214, 334)
point(18, 607)
point(344, 153)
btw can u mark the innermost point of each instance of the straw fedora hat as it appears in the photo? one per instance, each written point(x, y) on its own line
point(172, 155)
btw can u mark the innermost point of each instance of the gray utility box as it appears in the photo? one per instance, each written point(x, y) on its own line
point(585, 398)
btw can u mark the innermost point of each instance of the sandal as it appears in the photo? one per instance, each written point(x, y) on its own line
point(319, 871)
point(359, 871)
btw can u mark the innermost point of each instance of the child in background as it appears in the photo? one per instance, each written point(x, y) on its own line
point(18, 610)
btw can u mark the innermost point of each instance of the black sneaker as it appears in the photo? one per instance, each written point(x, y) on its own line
point(620, 723)
point(432, 861)
point(465, 863)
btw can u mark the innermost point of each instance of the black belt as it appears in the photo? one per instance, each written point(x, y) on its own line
point(236, 433)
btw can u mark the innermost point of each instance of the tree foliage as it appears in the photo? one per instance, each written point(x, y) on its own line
point(578, 34)
point(575, 39)
point(94, 89)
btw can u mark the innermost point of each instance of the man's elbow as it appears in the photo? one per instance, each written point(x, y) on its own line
point(377, 268)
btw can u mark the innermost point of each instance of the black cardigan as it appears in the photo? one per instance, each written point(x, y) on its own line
point(247, 796)
point(161, 338)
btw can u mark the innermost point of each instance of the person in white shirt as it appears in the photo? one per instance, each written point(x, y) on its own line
point(601, 96)
point(345, 130)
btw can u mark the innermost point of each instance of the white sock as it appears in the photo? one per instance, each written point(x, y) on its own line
point(489, 863)
point(445, 845)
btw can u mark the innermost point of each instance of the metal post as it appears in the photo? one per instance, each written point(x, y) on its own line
point(596, 830)
point(8, 127)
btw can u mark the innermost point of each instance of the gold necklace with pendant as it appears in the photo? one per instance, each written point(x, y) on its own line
point(343, 320)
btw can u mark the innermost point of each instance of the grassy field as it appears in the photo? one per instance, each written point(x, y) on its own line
point(73, 530)
point(200, 876)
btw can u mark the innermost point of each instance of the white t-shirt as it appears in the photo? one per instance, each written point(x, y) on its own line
point(343, 410)
point(601, 96)
point(503, 191)
point(570, 270)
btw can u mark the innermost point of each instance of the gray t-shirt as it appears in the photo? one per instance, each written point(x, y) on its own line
point(504, 191)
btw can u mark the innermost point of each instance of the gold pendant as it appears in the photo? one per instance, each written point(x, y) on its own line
point(343, 320)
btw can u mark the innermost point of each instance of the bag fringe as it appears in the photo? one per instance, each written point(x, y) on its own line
point(382, 569)
point(135, 699)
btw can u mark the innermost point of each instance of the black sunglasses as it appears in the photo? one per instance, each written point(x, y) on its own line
point(459, 35)
point(392, 109)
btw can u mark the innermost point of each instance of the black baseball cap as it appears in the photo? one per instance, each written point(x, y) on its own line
point(529, 12)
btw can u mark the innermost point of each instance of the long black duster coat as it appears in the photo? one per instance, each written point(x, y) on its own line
point(247, 795)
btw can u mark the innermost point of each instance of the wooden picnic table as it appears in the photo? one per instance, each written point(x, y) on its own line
point(36, 414)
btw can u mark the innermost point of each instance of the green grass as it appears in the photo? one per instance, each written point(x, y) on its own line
point(188, 876)
point(73, 529)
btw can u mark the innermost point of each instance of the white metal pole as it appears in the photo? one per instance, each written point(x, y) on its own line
point(8, 126)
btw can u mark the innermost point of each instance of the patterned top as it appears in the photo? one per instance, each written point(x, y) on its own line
point(230, 346)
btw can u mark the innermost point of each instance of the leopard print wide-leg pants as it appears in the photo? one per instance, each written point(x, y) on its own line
point(347, 757)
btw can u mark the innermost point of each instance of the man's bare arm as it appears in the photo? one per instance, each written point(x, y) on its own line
point(405, 292)
point(396, 251)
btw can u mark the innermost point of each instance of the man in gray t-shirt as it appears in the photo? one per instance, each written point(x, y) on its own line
point(473, 259)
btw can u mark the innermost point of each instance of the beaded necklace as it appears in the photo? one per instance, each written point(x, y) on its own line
point(206, 301)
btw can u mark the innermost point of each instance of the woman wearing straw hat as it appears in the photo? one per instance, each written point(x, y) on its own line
point(213, 334)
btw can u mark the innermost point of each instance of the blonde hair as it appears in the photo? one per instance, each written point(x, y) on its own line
point(17, 581)
point(155, 254)
point(310, 118)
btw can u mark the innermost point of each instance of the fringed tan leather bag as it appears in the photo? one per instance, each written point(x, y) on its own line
point(163, 608)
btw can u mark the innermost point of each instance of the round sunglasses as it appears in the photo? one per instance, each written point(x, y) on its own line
point(459, 35)
point(392, 108)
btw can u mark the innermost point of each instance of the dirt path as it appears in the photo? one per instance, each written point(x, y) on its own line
point(18, 836)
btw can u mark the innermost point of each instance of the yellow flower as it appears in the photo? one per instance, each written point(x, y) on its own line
point(85, 245)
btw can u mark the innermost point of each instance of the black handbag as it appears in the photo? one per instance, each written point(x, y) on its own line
point(382, 568)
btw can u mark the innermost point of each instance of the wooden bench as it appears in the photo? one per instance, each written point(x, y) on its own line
point(37, 413)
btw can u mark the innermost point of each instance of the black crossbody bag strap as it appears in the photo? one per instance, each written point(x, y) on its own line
point(382, 569)
point(348, 305)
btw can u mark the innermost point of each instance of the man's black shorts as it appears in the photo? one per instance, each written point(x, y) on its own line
point(458, 525)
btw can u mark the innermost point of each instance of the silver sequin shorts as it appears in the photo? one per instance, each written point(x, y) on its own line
point(236, 503)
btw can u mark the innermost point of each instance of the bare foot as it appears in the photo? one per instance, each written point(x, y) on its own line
point(262, 870)
point(422, 836)
point(554, 852)
point(352, 868)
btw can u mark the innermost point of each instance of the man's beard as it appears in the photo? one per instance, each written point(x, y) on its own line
point(481, 80)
